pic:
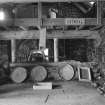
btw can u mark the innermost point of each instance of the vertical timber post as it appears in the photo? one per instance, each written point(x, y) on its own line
point(99, 12)
point(55, 50)
point(99, 22)
point(52, 16)
point(39, 18)
point(13, 41)
point(40, 14)
point(42, 38)
point(13, 50)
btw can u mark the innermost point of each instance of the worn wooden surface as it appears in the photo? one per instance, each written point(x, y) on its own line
point(68, 93)
point(27, 1)
point(54, 34)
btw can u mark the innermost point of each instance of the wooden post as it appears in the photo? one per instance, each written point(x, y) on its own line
point(99, 12)
point(13, 50)
point(52, 16)
point(40, 13)
point(42, 41)
point(55, 50)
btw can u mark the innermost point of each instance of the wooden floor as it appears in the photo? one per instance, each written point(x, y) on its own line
point(67, 93)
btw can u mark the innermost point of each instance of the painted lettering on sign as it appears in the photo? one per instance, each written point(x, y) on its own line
point(74, 21)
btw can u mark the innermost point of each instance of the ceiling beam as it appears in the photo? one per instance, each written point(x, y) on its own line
point(8, 35)
point(27, 22)
point(68, 21)
point(29, 1)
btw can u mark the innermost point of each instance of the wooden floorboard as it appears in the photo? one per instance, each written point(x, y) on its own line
point(63, 93)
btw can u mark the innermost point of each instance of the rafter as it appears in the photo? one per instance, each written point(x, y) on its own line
point(80, 7)
point(28, 1)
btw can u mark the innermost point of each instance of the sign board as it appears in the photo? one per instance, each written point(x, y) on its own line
point(74, 21)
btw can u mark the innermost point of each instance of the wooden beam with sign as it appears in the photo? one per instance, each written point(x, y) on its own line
point(51, 22)
point(55, 34)
point(70, 21)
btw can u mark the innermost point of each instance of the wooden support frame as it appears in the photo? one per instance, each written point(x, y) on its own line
point(55, 34)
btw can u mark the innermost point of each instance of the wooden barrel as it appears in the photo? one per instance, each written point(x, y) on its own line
point(66, 72)
point(18, 75)
point(38, 73)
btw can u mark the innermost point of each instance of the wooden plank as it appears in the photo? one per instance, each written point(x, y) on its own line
point(91, 21)
point(55, 34)
point(70, 21)
point(28, 1)
point(27, 22)
point(42, 85)
point(8, 35)
point(50, 64)
point(75, 34)
point(50, 22)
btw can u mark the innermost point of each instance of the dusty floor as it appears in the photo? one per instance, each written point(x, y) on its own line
point(68, 93)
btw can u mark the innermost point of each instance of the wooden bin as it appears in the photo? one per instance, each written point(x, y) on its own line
point(18, 74)
point(38, 73)
point(66, 72)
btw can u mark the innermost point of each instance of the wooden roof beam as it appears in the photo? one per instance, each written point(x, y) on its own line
point(80, 7)
point(29, 1)
point(8, 35)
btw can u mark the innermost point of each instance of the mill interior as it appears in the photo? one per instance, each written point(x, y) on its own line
point(52, 50)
